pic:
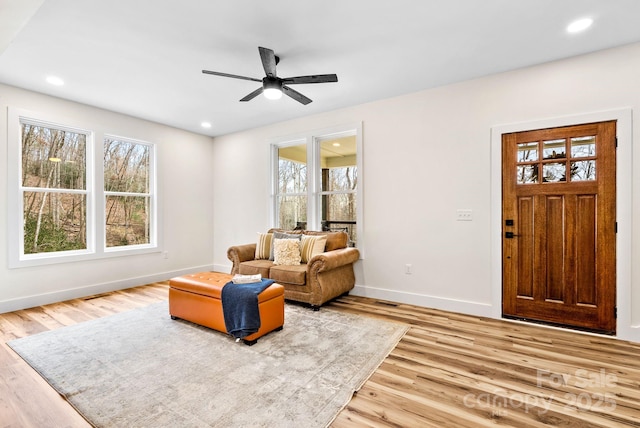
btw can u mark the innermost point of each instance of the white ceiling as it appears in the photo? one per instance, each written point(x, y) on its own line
point(144, 57)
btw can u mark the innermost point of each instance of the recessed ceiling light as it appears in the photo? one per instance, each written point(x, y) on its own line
point(336, 144)
point(579, 25)
point(206, 125)
point(55, 80)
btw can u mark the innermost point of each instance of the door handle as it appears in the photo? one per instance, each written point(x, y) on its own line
point(510, 235)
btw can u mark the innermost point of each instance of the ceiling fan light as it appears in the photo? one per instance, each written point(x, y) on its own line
point(272, 88)
point(273, 93)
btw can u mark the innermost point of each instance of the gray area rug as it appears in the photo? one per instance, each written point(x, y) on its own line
point(142, 369)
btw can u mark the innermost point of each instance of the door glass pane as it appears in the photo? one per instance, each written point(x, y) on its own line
point(527, 174)
point(583, 146)
point(583, 170)
point(527, 152)
point(554, 149)
point(554, 172)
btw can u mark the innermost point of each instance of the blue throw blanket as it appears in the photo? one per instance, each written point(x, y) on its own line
point(240, 307)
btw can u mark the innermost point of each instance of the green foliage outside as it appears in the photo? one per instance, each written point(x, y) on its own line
point(50, 239)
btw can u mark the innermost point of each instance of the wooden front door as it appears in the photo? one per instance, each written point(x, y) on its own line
point(559, 226)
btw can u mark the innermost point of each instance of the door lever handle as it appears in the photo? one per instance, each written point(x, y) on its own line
point(510, 235)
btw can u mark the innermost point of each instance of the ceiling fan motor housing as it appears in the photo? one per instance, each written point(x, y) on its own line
point(271, 83)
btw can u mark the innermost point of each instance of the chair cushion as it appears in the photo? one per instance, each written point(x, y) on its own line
point(253, 267)
point(289, 274)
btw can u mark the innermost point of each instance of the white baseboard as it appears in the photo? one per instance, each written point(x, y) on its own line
point(92, 289)
point(222, 268)
point(630, 333)
point(459, 306)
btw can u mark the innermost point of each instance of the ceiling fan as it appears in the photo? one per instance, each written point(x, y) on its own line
point(273, 86)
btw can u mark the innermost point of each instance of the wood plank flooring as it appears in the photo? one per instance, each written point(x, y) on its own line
point(450, 370)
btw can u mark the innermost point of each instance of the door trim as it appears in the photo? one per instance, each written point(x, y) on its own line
point(627, 328)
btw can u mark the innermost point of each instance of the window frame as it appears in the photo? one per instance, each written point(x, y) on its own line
point(319, 194)
point(152, 194)
point(94, 191)
point(275, 162)
point(313, 139)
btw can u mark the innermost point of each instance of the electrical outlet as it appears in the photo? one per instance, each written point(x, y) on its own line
point(464, 215)
point(408, 269)
point(165, 254)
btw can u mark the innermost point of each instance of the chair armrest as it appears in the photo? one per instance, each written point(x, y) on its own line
point(240, 253)
point(332, 259)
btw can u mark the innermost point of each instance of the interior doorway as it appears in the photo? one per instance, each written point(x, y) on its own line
point(559, 226)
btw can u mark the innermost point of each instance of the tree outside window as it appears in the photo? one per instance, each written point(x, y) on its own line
point(127, 195)
point(53, 188)
point(292, 187)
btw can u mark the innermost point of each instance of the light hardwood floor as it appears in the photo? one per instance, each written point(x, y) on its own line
point(450, 370)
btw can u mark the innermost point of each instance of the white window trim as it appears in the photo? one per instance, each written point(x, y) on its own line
point(153, 192)
point(96, 245)
point(312, 139)
point(285, 142)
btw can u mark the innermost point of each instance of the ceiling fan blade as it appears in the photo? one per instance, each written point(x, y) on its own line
point(252, 95)
point(295, 95)
point(268, 61)
point(234, 76)
point(318, 78)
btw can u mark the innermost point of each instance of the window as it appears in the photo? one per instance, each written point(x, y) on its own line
point(127, 194)
point(291, 195)
point(339, 184)
point(316, 181)
point(60, 210)
point(53, 188)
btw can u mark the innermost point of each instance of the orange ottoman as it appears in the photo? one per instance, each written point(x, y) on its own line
point(197, 298)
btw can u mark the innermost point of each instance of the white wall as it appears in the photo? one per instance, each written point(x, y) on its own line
point(428, 154)
point(185, 177)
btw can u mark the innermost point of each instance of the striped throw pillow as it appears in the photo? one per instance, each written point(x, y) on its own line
point(263, 247)
point(311, 246)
